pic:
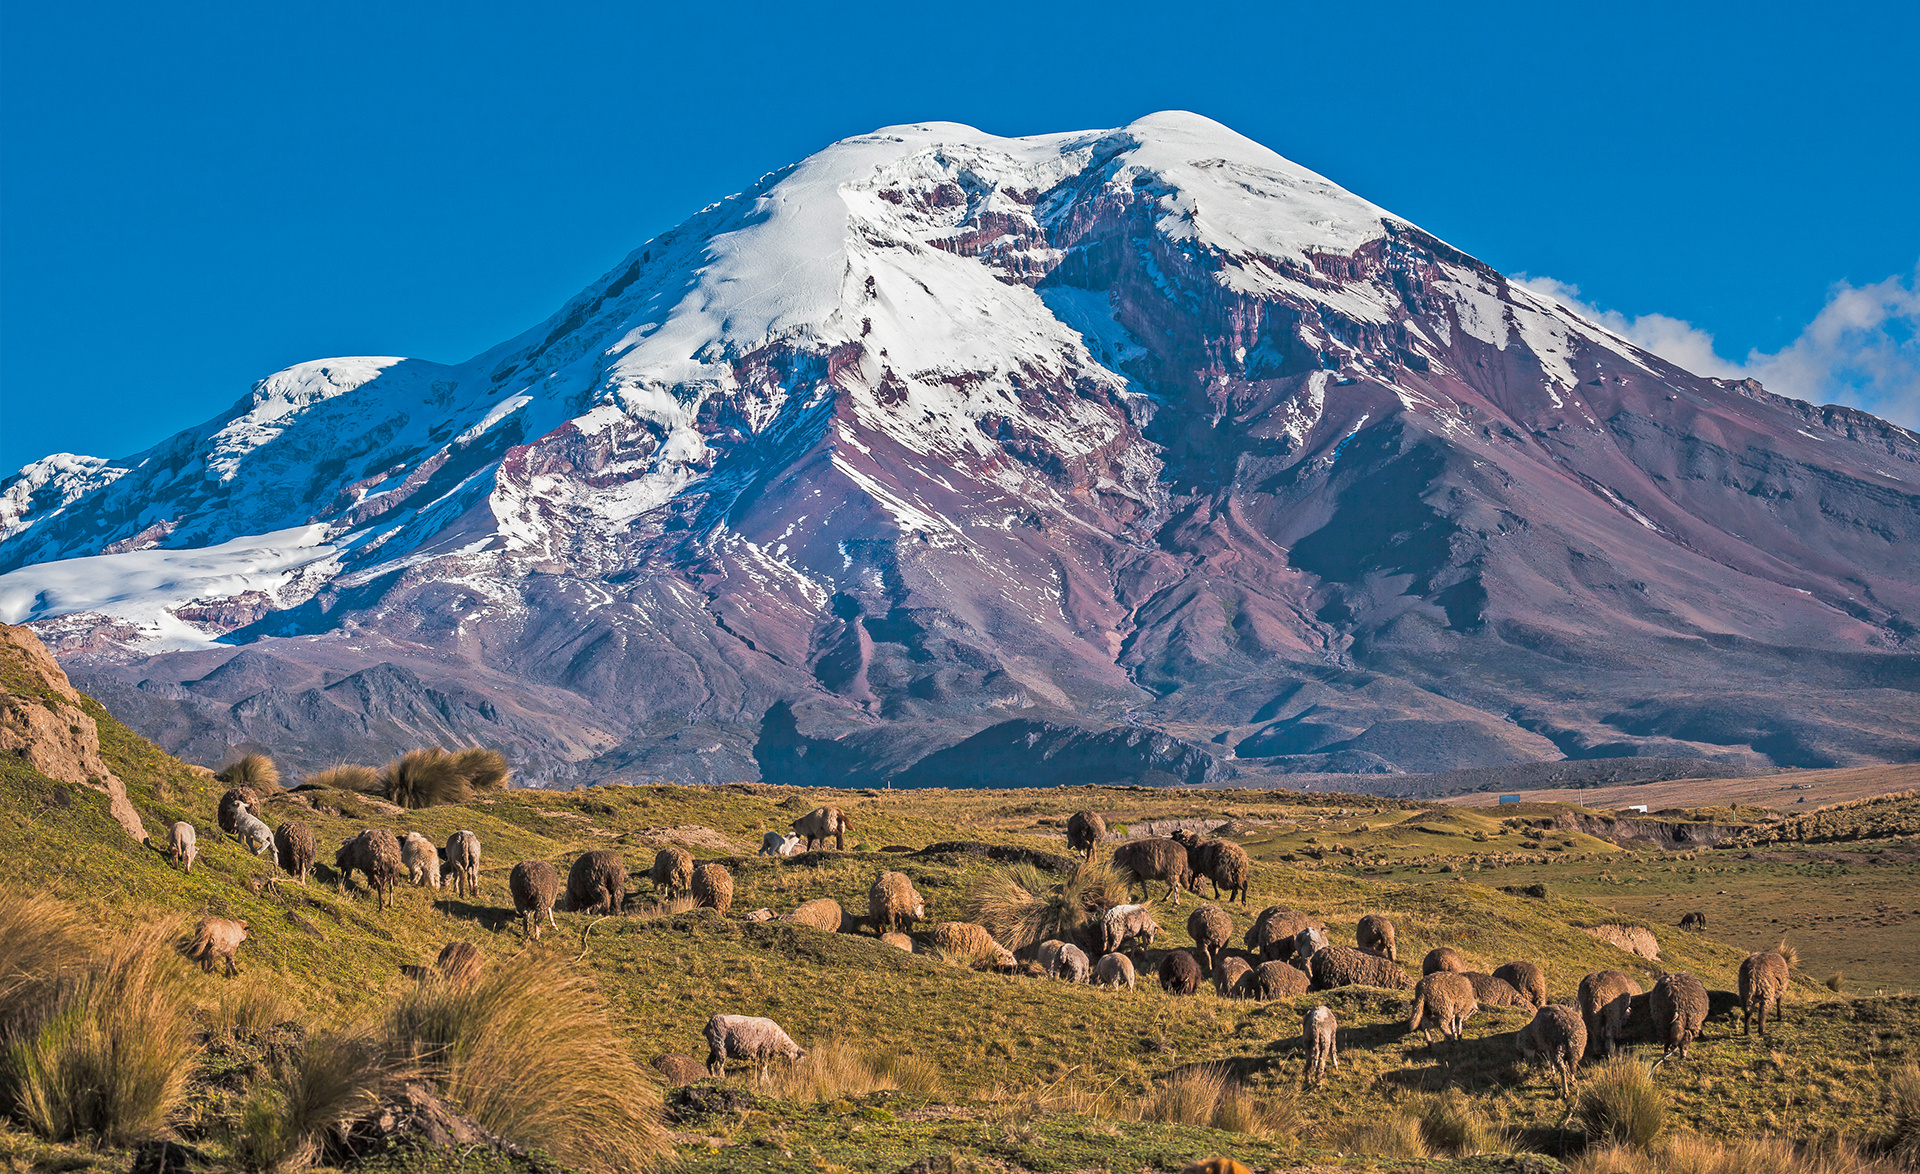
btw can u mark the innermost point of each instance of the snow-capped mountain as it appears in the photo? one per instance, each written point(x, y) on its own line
point(1141, 453)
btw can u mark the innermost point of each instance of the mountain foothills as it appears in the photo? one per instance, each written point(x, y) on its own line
point(1141, 454)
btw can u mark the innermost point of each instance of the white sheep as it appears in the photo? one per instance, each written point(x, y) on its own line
point(182, 845)
point(255, 835)
point(747, 1037)
point(422, 859)
point(775, 844)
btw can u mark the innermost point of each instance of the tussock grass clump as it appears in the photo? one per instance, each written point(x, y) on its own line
point(837, 1068)
point(1692, 1154)
point(345, 777)
point(251, 1007)
point(1785, 950)
point(911, 1072)
point(1903, 1115)
point(1022, 906)
point(484, 769)
point(528, 1050)
point(40, 945)
point(253, 770)
point(105, 1057)
point(1210, 1098)
point(1396, 1135)
point(428, 777)
point(286, 1119)
point(1451, 1127)
point(1619, 1104)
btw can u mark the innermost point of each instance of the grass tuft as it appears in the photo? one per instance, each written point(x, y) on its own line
point(1690, 1153)
point(1451, 1127)
point(332, 1080)
point(484, 769)
point(254, 770)
point(40, 945)
point(1619, 1104)
point(1209, 1098)
point(345, 777)
point(1785, 950)
point(1022, 906)
point(1903, 1115)
point(1393, 1135)
point(428, 777)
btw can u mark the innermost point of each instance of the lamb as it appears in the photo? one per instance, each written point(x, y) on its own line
point(1227, 975)
point(422, 859)
point(1273, 932)
point(1113, 971)
point(1679, 1007)
point(1606, 1006)
point(1211, 929)
point(1344, 966)
point(1085, 830)
point(1308, 942)
point(534, 885)
point(235, 803)
point(672, 871)
point(1526, 977)
point(1122, 923)
point(377, 854)
point(1274, 980)
point(680, 1070)
point(1140, 862)
point(1489, 991)
point(1442, 958)
point(296, 848)
point(216, 939)
point(1179, 973)
point(1318, 1028)
point(1558, 1037)
point(463, 857)
point(747, 1037)
point(597, 882)
point(1444, 999)
point(183, 844)
point(822, 913)
point(254, 834)
point(713, 887)
point(1763, 979)
point(459, 962)
point(898, 941)
point(966, 942)
point(775, 844)
point(1376, 936)
point(1069, 964)
point(1695, 921)
point(816, 825)
point(893, 904)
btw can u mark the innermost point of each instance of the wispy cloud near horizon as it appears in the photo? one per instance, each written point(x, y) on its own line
point(1862, 349)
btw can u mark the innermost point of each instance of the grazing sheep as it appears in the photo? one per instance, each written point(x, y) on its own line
point(182, 845)
point(1344, 966)
point(820, 823)
point(1442, 958)
point(822, 913)
point(672, 871)
point(750, 1038)
point(713, 887)
point(235, 803)
point(893, 904)
point(1526, 977)
point(680, 1071)
point(1227, 975)
point(463, 857)
point(1695, 921)
point(422, 859)
point(1273, 932)
point(1122, 923)
point(1763, 979)
point(1274, 980)
point(255, 836)
point(1559, 1039)
point(1211, 928)
point(1445, 1000)
point(1070, 964)
point(597, 883)
point(966, 942)
point(1308, 942)
point(1222, 864)
point(296, 848)
point(775, 844)
point(1606, 1006)
point(1489, 991)
point(1318, 1029)
point(898, 941)
point(534, 885)
point(459, 962)
point(1376, 936)
point(1679, 1007)
point(375, 853)
point(1085, 830)
point(1113, 971)
point(216, 939)
point(1140, 862)
point(1179, 973)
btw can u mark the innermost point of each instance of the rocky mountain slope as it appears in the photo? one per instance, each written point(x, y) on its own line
point(1140, 453)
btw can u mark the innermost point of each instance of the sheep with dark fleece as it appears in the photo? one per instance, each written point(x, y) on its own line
point(1179, 973)
point(597, 882)
point(535, 886)
point(1376, 935)
point(750, 1038)
point(672, 871)
point(1124, 923)
point(1489, 991)
point(216, 939)
point(1526, 977)
point(1679, 1010)
point(1140, 862)
point(1606, 1008)
point(818, 825)
point(376, 854)
point(183, 844)
point(1211, 929)
point(1273, 932)
point(822, 913)
point(1557, 1038)
point(1274, 980)
point(1223, 864)
point(713, 887)
point(1228, 973)
point(1763, 980)
point(893, 904)
point(1085, 830)
point(463, 857)
point(295, 847)
point(1442, 958)
point(1113, 971)
point(1695, 921)
point(1318, 1029)
point(1338, 966)
point(1443, 999)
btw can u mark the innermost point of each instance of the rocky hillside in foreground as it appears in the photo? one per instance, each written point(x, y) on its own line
point(1135, 454)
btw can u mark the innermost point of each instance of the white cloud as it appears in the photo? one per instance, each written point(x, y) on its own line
point(1862, 349)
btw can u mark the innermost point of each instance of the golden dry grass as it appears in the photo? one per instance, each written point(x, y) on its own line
point(1692, 1154)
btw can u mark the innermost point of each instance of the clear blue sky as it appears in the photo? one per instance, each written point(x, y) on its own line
point(195, 195)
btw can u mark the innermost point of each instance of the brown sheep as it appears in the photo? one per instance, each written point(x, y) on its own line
point(672, 871)
point(295, 848)
point(1113, 971)
point(1695, 921)
point(1763, 980)
point(1376, 935)
point(1679, 1007)
point(1526, 977)
point(820, 823)
point(1273, 932)
point(597, 882)
point(459, 962)
point(898, 941)
point(1211, 928)
point(1606, 1007)
point(216, 939)
point(1442, 958)
point(375, 853)
point(1275, 980)
point(1489, 991)
point(1127, 923)
point(963, 941)
point(463, 857)
point(1179, 973)
point(1443, 999)
point(1227, 975)
point(1318, 1029)
point(1344, 966)
point(1557, 1037)
point(1140, 862)
point(893, 904)
point(713, 887)
point(680, 1070)
point(821, 913)
point(535, 885)
point(1222, 864)
point(1085, 830)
